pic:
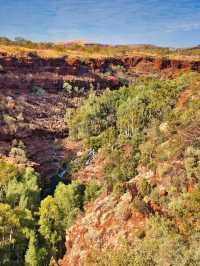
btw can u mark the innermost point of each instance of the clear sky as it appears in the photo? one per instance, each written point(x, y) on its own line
point(162, 22)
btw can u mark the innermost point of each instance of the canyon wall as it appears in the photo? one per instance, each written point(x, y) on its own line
point(50, 73)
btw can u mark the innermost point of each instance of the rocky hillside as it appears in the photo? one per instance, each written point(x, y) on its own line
point(127, 159)
point(151, 219)
point(33, 101)
point(105, 222)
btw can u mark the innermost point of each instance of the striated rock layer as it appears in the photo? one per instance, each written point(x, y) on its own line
point(50, 73)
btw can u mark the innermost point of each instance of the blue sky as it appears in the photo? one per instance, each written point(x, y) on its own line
point(162, 22)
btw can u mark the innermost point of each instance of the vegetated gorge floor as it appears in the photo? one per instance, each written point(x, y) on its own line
point(33, 103)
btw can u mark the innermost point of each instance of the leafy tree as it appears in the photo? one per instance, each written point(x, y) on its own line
point(49, 222)
point(12, 240)
point(58, 213)
point(9, 224)
point(36, 253)
point(69, 200)
point(93, 117)
point(7, 172)
point(24, 190)
point(31, 253)
point(91, 191)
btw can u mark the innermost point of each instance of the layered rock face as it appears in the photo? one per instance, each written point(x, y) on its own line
point(36, 121)
point(50, 73)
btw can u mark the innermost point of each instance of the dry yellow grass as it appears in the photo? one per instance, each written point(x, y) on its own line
point(99, 52)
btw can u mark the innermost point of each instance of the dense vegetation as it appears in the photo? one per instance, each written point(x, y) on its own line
point(32, 230)
point(138, 126)
point(118, 120)
point(143, 126)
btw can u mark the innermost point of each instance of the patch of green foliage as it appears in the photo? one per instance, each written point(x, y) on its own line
point(92, 191)
point(117, 121)
point(35, 227)
point(19, 199)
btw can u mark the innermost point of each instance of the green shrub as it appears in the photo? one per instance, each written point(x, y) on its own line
point(92, 190)
point(94, 116)
point(23, 190)
point(67, 87)
point(192, 163)
point(19, 154)
point(7, 172)
point(144, 188)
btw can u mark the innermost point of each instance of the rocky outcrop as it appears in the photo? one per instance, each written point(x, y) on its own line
point(37, 121)
point(50, 73)
point(104, 224)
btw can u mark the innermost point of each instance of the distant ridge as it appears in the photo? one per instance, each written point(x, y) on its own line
point(196, 47)
point(92, 43)
point(84, 43)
